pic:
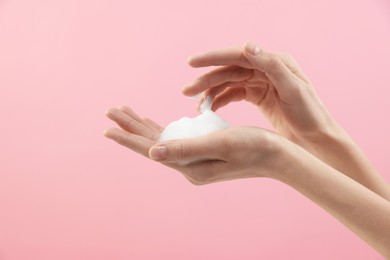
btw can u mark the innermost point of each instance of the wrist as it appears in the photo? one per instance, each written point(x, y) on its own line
point(327, 141)
point(282, 152)
point(291, 160)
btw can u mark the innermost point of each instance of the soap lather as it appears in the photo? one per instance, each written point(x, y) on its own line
point(203, 124)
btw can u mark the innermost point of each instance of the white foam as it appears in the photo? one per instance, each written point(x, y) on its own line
point(203, 124)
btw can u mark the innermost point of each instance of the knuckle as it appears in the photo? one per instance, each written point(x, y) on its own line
point(301, 91)
point(286, 56)
point(291, 58)
point(128, 122)
point(204, 80)
point(274, 62)
point(183, 151)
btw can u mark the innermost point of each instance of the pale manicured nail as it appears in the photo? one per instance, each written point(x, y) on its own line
point(158, 153)
point(252, 48)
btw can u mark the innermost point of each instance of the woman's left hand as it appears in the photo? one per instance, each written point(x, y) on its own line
point(232, 153)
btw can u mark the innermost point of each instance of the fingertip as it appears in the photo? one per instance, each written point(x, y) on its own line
point(107, 133)
point(193, 61)
point(189, 91)
point(110, 112)
point(186, 90)
point(214, 107)
point(189, 59)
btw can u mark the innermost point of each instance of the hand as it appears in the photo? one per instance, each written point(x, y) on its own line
point(232, 153)
point(271, 81)
point(278, 87)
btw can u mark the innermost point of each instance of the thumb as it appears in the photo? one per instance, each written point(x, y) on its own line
point(183, 150)
point(272, 65)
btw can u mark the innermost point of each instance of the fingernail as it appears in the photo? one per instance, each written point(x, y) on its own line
point(158, 153)
point(252, 48)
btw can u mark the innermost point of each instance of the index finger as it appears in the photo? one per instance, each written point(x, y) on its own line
point(221, 57)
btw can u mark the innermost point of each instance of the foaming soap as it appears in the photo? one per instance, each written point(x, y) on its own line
point(203, 124)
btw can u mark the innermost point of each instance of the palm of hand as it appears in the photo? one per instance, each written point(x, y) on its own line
point(265, 97)
point(222, 155)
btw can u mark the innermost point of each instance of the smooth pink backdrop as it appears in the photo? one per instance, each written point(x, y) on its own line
point(68, 193)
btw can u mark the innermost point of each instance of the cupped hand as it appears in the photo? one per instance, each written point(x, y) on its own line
point(273, 82)
point(228, 154)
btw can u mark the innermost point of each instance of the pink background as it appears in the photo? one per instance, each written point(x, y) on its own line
point(66, 192)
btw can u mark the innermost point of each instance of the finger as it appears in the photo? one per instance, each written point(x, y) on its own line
point(213, 92)
point(293, 65)
point(217, 77)
point(285, 81)
point(129, 124)
point(134, 142)
point(228, 96)
point(136, 117)
point(221, 57)
point(131, 113)
point(200, 148)
point(153, 124)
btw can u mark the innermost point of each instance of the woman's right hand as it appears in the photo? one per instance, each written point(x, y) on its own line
point(271, 81)
point(275, 83)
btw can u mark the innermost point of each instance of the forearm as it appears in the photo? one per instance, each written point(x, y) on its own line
point(361, 210)
point(339, 151)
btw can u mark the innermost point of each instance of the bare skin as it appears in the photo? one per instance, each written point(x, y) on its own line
point(275, 83)
point(309, 151)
